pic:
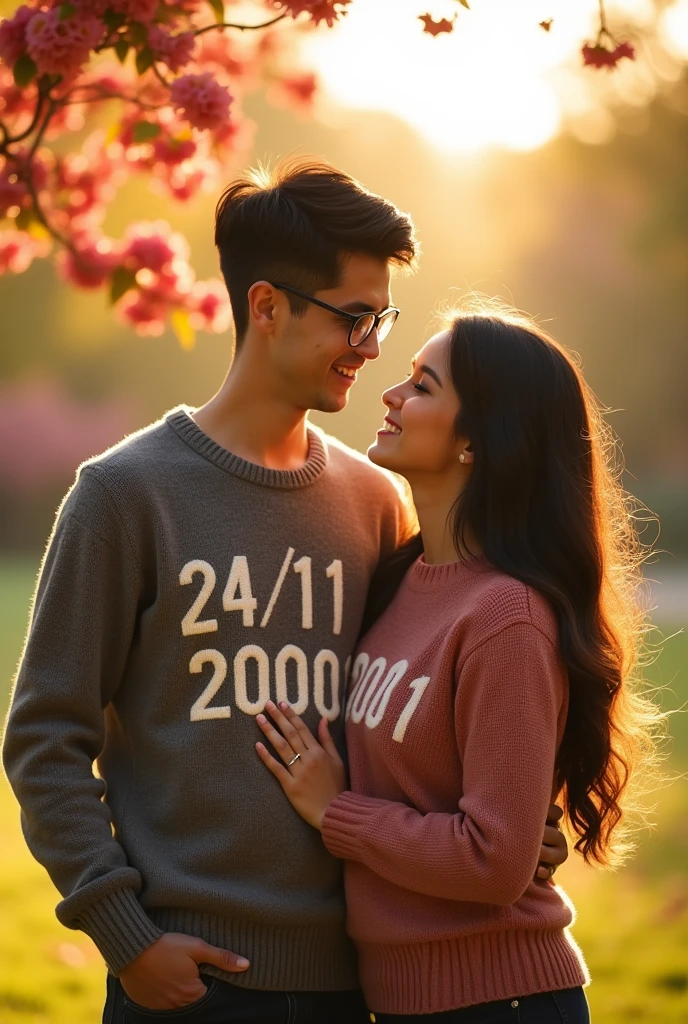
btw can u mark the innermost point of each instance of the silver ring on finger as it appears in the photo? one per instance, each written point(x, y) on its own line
point(290, 763)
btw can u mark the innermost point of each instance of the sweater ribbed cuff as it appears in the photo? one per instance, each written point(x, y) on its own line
point(345, 822)
point(120, 928)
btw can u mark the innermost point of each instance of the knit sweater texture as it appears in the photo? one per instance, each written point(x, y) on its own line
point(182, 588)
point(457, 706)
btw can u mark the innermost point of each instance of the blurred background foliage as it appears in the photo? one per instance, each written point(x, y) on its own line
point(592, 239)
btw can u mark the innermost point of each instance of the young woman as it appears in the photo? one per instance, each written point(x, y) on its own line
point(495, 677)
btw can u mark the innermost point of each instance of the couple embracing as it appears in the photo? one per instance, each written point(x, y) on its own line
point(329, 728)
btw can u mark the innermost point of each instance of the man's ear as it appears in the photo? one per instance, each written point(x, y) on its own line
point(264, 302)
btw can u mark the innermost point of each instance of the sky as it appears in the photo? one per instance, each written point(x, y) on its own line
point(498, 80)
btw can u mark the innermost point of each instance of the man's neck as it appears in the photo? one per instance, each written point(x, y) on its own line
point(243, 418)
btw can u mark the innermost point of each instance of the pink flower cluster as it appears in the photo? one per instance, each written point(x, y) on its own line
point(165, 282)
point(318, 10)
point(203, 101)
point(142, 11)
point(13, 34)
point(296, 91)
point(96, 261)
point(13, 192)
point(59, 47)
point(18, 250)
point(174, 50)
point(13, 189)
point(183, 135)
point(599, 56)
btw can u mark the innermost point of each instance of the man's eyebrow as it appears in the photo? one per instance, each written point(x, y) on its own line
point(360, 307)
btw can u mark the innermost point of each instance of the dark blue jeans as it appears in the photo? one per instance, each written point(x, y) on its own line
point(569, 1006)
point(224, 1003)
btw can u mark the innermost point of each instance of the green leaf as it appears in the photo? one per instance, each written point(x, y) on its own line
point(181, 325)
point(123, 280)
point(66, 11)
point(24, 71)
point(144, 130)
point(219, 8)
point(138, 33)
point(114, 19)
point(122, 49)
point(144, 59)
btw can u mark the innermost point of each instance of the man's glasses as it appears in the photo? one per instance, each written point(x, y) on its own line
point(362, 324)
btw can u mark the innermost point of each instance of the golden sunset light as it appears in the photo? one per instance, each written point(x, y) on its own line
point(498, 80)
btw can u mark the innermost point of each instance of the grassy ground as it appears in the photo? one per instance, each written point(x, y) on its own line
point(632, 925)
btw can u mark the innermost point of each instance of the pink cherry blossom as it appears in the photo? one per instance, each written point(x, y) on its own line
point(13, 34)
point(146, 315)
point(96, 7)
point(598, 56)
point(87, 182)
point(61, 47)
point(171, 286)
point(217, 51)
point(203, 101)
point(18, 250)
point(152, 245)
point(35, 167)
point(297, 91)
point(318, 10)
point(171, 151)
point(174, 50)
point(184, 185)
point(152, 252)
point(15, 102)
point(97, 260)
point(13, 191)
point(136, 10)
point(210, 306)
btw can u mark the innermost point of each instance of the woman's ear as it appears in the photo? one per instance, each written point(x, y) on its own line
point(466, 454)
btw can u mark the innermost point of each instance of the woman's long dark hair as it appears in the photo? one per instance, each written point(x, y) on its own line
point(545, 504)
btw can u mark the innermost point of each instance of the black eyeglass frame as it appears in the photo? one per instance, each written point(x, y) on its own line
point(353, 317)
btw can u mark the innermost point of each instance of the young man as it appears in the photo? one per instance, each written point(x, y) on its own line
point(213, 561)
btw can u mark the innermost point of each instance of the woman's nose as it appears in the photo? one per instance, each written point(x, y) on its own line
point(392, 398)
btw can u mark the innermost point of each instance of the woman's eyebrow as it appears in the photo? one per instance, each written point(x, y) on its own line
point(430, 372)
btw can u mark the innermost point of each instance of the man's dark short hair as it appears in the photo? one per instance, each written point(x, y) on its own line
point(297, 224)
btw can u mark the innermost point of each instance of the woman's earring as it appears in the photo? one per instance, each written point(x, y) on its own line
point(462, 457)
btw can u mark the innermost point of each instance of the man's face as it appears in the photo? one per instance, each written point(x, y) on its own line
point(312, 360)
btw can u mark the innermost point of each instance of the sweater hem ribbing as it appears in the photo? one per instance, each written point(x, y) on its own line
point(119, 926)
point(449, 974)
point(282, 957)
point(343, 822)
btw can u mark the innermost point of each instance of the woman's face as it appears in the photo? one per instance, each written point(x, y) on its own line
point(417, 436)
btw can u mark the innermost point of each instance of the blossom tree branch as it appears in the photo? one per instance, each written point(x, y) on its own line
point(178, 87)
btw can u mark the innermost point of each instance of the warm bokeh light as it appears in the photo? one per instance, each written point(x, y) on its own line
point(498, 80)
point(674, 25)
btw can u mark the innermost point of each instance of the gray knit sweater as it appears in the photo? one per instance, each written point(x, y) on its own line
point(183, 587)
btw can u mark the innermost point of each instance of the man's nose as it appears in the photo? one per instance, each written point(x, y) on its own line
point(370, 348)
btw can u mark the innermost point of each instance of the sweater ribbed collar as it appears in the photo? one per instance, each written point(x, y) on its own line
point(424, 577)
point(287, 479)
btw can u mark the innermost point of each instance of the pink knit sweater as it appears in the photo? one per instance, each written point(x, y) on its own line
point(457, 705)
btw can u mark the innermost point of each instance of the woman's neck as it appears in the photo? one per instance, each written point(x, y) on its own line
point(434, 503)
